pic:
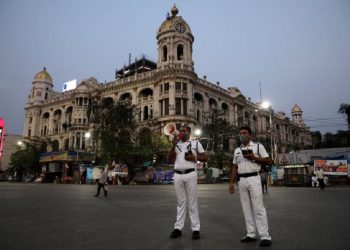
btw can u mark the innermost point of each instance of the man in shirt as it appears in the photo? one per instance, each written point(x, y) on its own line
point(101, 183)
point(320, 177)
point(246, 166)
point(185, 152)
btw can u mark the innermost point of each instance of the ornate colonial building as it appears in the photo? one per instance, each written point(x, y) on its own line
point(166, 91)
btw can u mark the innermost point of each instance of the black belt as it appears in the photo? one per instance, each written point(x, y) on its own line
point(247, 175)
point(185, 171)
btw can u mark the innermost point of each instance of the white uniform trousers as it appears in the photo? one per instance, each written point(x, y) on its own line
point(186, 192)
point(253, 207)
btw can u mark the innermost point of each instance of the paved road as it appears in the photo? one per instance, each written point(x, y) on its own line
point(49, 216)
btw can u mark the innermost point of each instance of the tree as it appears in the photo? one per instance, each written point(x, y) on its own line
point(219, 131)
point(345, 109)
point(26, 158)
point(150, 144)
point(113, 127)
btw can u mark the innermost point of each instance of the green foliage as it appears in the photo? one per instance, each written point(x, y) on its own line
point(345, 109)
point(115, 133)
point(26, 158)
point(113, 128)
point(150, 144)
point(339, 139)
point(219, 131)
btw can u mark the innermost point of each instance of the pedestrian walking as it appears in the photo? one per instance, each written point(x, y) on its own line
point(246, 167)
point(264, 176)
point(185, 152)
point(102, 182)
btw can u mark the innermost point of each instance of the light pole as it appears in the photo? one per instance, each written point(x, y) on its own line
point(87, 138)
point(198, 133)
point(267, 105)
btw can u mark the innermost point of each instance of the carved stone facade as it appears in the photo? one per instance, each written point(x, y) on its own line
point(166, 91)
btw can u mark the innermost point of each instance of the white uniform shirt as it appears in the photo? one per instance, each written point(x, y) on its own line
point(319, 174)
point(181, 148)
point(245, 165)
point(103, 178)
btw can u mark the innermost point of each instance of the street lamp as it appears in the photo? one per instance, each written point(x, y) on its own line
point(267, 105)
point(87, 135)
point(198, 132)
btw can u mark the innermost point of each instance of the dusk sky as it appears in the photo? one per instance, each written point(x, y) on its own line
point(298, 49)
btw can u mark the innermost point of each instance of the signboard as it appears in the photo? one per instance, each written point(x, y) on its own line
point(69, 85)
point(332, 167)
point(293, 158)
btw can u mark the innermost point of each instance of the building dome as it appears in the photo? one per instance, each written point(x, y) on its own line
point(296, 109)
point(43, 76)
point(174, 23)
point(82, 89)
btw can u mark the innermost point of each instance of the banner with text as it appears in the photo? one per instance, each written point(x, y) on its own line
point(332, 167)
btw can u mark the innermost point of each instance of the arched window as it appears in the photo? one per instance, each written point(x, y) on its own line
point(198, 115)
point(55, 145)
point(145, 113)
point(165, 53)
point(180, 52)
point(66, 144)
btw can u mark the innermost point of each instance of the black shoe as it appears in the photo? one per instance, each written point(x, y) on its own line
point(176, 233)
point(265, 243)
point(247, 239)
point(95, 195)
point(196, 235)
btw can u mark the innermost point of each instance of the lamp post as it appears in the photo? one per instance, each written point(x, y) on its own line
point(20, 143)
point(267, 105)
point(87, 137)
point(198, 133)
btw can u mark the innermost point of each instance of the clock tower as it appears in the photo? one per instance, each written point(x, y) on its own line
point(175, 41)
point(175, 77)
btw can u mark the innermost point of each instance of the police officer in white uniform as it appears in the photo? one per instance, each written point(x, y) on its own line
point(186, 152)
point(246, 166)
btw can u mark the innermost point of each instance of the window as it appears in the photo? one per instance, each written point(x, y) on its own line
point(180, 52)
point(165, 53)
point(184, 86)
point(161, 108)
point(30, 120)
point(45, 96)
point(29, 132)
point(184, 106)
point(145, 113)
point(166, 86)
point(66, 144)
point(178, 86)
point(166, 108)
point(198, 115)
point(77, 141)
point(178, 106)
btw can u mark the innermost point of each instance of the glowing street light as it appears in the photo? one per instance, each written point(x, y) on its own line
point(198, 132)
point(267, 105)
point(87, 135)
